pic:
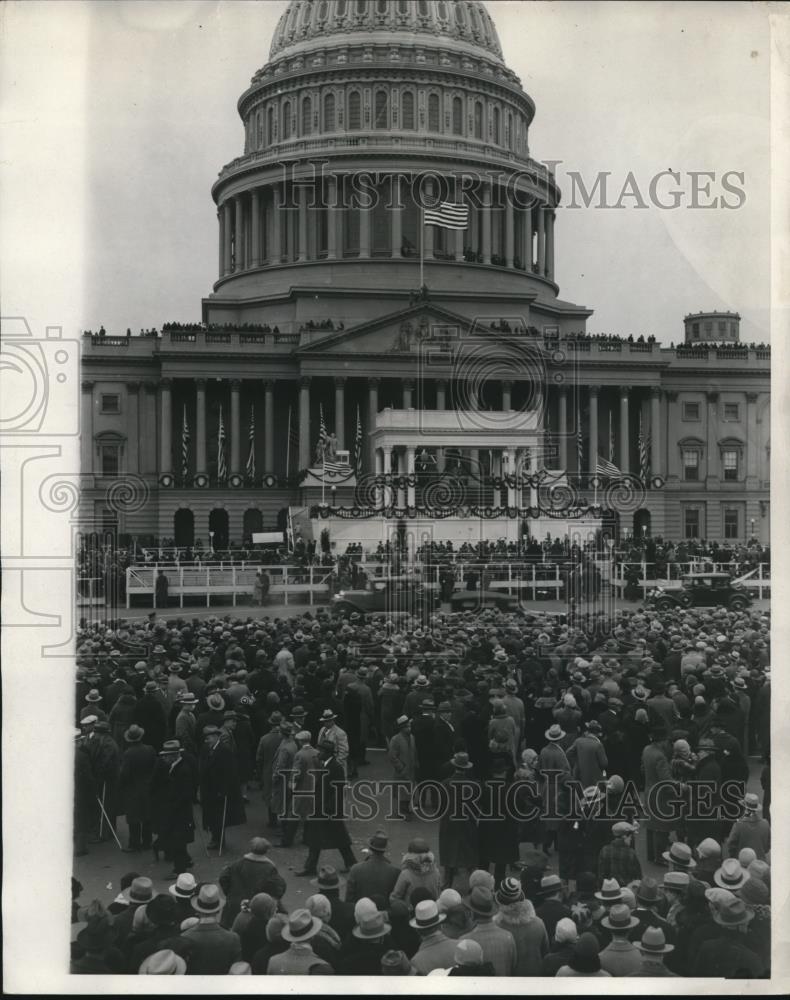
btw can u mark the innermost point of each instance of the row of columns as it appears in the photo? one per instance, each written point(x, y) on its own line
point(234, 222)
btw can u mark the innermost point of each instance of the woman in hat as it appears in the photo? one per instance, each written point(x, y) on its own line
point(134, 786)
point(418, 869)
point(584, 960)
point(517, 915)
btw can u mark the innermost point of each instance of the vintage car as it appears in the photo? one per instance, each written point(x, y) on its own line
point(402, 594)
point(702, 590)
point(477, 600)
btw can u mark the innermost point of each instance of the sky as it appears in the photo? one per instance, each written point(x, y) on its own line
point(117, 117)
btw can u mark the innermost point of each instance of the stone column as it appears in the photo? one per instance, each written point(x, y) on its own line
point(227, 232)
point(541, 240)
point(148, 436)
point(166, 452)
point(752, 443)
point(408, 394)
point(373, 409)
point(221, 222)
point(255, 210)
point(133, 436)
point(302, 222)
point(625, 446)
point(592, 451)
point(507, 396)
point(200, 427)
point(340, 410)
point(440, 460)
point(331, 217)
point(509, 232)
point(396, 217)
point(235, 426)
point(268, 425)
point(655, 432)
point(238, 262)
point(713, 433)
point(304, 423)
point(550, 243)
point(486, 222)
point(410, 499)
point(563, 422)
point(441, 395)
point(86, 428)
point(528, 238)
point(378, 459)
point(387, 453)
point(275, 257)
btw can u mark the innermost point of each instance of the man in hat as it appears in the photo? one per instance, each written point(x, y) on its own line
point(265, 757)
point(375, 876)
point(150, 716)
point(214, 714)
point(172, 793)
point(587, 756)
point(554, 770)
point(299, 802)
point(282, 782)
point(214, 948)
point(618, 859)
point(105, 758)
point(436, 951)
point(458, 832)
point(359, 713)
point(551, 909)
point(751, 830)
point(326, 828)
point(660, 804)
point(161, 587)
point(498, 945)
point(329, 884)
point(620, 957)
point(85, 802)
point(370, 940)
point(728, 954)
point(220, 791)
point(653, 948)
point(134, 788)
point(649, 903)
point(253, 873)
point(299, 959)
point(402, 752)
point(429, 766)
point(186, 724)
point(330, 732)
point(445, 736)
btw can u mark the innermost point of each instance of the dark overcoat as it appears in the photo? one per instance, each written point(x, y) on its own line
point(458, 836)
point(327, 828)
point(219, 780)
point(134, 782)
point(171, 804)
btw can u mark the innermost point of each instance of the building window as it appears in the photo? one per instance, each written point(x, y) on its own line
point(110, 459)
point(382, 109)
point(307, 116)
point(731, 411)
point(270, 125)
point(691, 411)
point(708, 330)
point(690, 464)
point(433, 112)
point(110, 403)
point(329, 113)
point(458, 116)
point(729, 460)
point(691, 522)
point(285, 131)
point(722, 329)
point(478, 120)
point(407, 110)
point(354, 111)
point(695, 330)
point(731, 522)
point(497, 127)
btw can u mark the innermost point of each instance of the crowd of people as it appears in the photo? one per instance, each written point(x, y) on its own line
point(568, 741)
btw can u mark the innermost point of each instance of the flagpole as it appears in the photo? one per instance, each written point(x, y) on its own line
point(287, 445)
point(422, 243)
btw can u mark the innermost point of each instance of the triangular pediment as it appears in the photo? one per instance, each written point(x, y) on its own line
point(401, 332)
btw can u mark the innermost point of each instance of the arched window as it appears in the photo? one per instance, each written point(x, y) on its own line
point(307, 116)
point(306, 13)
point(329, 113)
point(497, 126)
point(382, 109)
point(381, 6)
point(407, 109)
point(362, 7)
point(285, 131)
point(433, 112)
point(354, 111)
point(441, 10)
point(260, 138)
point(422, 8)
point(341, 8)
point(510, 138)
point(478, 119)
point(458, 116)
point(460, 15)
point(270, 125)
point(403, 6)
point(322, 9)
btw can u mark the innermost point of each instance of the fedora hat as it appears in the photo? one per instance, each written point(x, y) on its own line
point(679, 854)
point(426, 915)
point(327, 715)
point(301, 926)
point(750, 802)
point(93, 695)
point(298, 712)
point(370, 926)
point(731, 912)
point(134, 734)
point(162, 910)
point(215, 702)
point(676, 881)
point(171, 746)
point(555, 733)
point(730, 876)
point(378, 842)
point(550, 884)
point(141, 890)
point(184, 886)
point(619, 918)
point(648, 891)
point(428, 705)
point(461, 762)
point(187, 698)
point(653, 942)
point(610, 891)
point(163, 963)
point(481, 901)
point(327, 879)
point(208, 900)
point(395, 963)
point(401, 721)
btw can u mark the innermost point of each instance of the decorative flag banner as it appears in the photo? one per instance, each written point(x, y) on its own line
point(448, 215)
point(579, 445)
point(644, 453)
point(185, 447)
point(222, 467)
point(358, 447)
point(335, 468)
point(611, 438)
point(323, 437)
point(604, 468)
point(251, 456)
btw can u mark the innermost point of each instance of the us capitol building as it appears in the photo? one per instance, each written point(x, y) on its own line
point(457, 390)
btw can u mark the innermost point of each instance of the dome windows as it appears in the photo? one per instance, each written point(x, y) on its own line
point(323, 7)
point(460, 15)
point(354, 111)
point(478, 120)
point(407, 109)
point(382, 109)
point(422, 8)
point(341, 8)
point(307, 116)
point(458, 116)
point(441, 10)
point(403, 7)
point(329, 113)
point(285, 131)
point(433, 112)
point(497, 126)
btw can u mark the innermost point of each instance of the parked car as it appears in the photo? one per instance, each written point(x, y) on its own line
point(476, 600)
point(702, 590)
point(405, 595)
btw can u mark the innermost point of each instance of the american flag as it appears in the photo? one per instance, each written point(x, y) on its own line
point(449, 215)
point(323, 437)
point(185, 446)
point(251, 456)
point(579, 444)
point(336, 468)
point(604, 468)
point(644, 453)
point(611, 438)
point(358, 447)
point(222, 466)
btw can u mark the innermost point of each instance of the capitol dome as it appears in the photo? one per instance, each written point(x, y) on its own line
point(459, 24)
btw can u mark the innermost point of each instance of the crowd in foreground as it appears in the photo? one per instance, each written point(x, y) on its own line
point(179, 722)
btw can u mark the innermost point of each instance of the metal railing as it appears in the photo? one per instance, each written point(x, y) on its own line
point(313, 582)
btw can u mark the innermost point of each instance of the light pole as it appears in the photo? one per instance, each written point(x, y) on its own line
point(211, 541)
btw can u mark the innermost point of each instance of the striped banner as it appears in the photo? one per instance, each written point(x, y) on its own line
point(579, 444)
point(358, 447)
point(251, 456)
point(448, 215)
point(644, 454)
point(323, 437)
point(185, 446)
point(222, 465)
point(604, 468)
